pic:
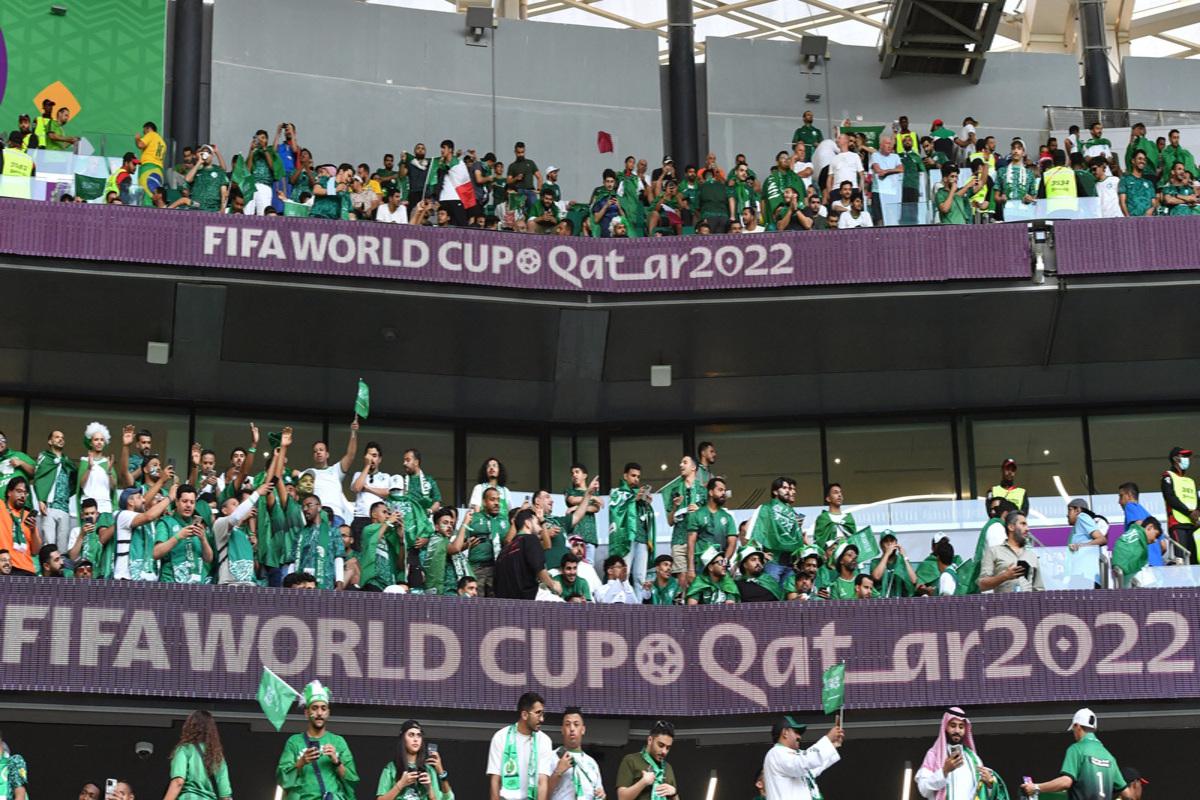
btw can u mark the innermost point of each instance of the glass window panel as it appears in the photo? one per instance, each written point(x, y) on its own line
point(749, 458)
point(519, 454)
point(1134, 447)
point(658, 455)
point(168, 429)
point(560, 460)
point(877, 462)
point(436, 446)
point(12, 419)
point(1042, 449)
point(222, 433)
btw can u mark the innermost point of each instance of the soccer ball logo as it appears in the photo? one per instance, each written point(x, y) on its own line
point(529, 261)
point(659, 659)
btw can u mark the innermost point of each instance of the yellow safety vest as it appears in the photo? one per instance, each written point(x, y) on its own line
point(1185, 490)
point(15, 179)
point(17, 164)
point(1014, 494)
point(907, 142)
point(1060, 189)
point(42, 129)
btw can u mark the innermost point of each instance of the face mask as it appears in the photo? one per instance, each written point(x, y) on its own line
point(1184, 463)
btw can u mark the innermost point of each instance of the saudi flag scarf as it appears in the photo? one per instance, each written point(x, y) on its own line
point(510, 773)
point(659, 773)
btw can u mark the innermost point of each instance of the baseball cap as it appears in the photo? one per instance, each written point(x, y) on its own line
point(1132, 776)
point(785, 722)
point(1079, 503)
point(1008, 462)
point(970, 121)
point(937, 122)
point(552, 169)
point(1084, 717)
point(668, 160)
point(123, 501)
point(1180, 451)
point(661, 559)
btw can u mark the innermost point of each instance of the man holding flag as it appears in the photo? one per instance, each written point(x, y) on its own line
point(952, 770)
point(456, 193)
point(790, 773)
point(316, 764)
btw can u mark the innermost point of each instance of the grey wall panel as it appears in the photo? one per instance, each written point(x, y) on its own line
point(756, 94)
point(327, 65)
point(1159, 82)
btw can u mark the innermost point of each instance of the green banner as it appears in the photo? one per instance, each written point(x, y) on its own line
point(872, 132)
point(275, 697)
point(362, 403)
point(867, 544)
point(102, 60)
point(833, 688)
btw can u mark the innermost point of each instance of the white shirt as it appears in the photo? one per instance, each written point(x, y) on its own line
point(962, 781)
point(965, 152)
point(96, 484)
point(364, 499)
point(588, 573)
point(385, 214)
point(1102, 150)
point(123, 534)
point(616, 592)
point(588, 772)
point(801, 166)
point(757, 229)
point(327, 486)
point(545, 760)
point(1106, 191)
point(847, 220)
point(477, 495)
point(845, 167)
point(884, 185)
point(823, 155)
point(947, 584)
point(786, 772)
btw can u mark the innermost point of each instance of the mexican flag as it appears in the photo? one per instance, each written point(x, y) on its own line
point(458, 179)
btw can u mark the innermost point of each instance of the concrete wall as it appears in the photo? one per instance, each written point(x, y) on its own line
point(360, 80)
point(1159, 82)
point(756, 94)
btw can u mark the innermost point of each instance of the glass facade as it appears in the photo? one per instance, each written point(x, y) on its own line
point(874, 460)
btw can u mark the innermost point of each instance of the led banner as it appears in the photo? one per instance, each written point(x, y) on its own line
point(210, 643)
point(509, 260)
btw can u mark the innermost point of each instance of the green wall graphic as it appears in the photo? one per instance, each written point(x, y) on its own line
point(103, 60)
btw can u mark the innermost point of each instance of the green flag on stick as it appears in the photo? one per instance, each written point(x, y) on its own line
point(362, 403)
point(833, 688)
point(867, 544)
point(275, 697)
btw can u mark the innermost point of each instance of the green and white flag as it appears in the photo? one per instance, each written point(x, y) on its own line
point(275, 697)
point(867, 544)
point(362, 403)
point(88, 187)
point(833, 688)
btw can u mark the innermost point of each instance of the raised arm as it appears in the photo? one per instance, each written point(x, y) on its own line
point(125, 477)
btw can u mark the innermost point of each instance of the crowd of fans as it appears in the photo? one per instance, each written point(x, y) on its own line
point(843, 181)
point(259, 519)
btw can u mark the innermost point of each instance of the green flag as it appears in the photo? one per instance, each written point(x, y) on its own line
point(275, 697)
point(872, 132)
point(833, 688)
point(88, 187)
point(362, 403)
point(867, 544)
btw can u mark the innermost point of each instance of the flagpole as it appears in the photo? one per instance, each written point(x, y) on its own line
point(841, 715)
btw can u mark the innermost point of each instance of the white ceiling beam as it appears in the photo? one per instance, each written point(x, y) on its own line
point(1162, 20)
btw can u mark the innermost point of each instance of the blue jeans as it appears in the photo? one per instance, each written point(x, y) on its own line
point(779, 572)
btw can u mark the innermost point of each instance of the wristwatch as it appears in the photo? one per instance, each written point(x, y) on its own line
point(443, 775)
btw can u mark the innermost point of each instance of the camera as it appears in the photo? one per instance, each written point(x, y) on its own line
point(143, 750)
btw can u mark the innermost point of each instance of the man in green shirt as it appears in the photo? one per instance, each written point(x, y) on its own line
point(682, 496)
point(1174, 154)
point(208, 182)
point(807, 133)
point(182, 543)
point(574, 588)
point(1136, 191)
point(586, 529)
point(316, 764)
point(713, 586)
point(833, 525)
point(781, 177)
point(318, 547)
point(1178, 194)
point(664, 589)
point(545, 214)
point(646, 775)
point(14, 463)
point(1130, 553)
point(951, 199)
point(1089, 771)
point(381, 550)
point(55, 481)
point(553, 530)
point(1138, 143)
point(713, 202)
point(485, 537)
point(1097, 146)
point(711, 526)
point(845, 561)
point(523, 173)
point(776, 528)
point(631, 522)
point(892, 572)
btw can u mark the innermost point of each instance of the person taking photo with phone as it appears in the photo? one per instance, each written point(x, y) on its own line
point(416, 772)
point(951, 767)
point(316, 764)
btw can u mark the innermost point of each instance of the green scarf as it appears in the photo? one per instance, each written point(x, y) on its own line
point(45, 475)
point(712, 592)
point(510, 775)
point(659, 773)
point(664, 595)
point(18, 527)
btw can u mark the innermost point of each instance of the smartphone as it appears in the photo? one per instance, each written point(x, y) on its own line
point(956, 750)
point(431, 747)
point(171, 463)
point(110, 786)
